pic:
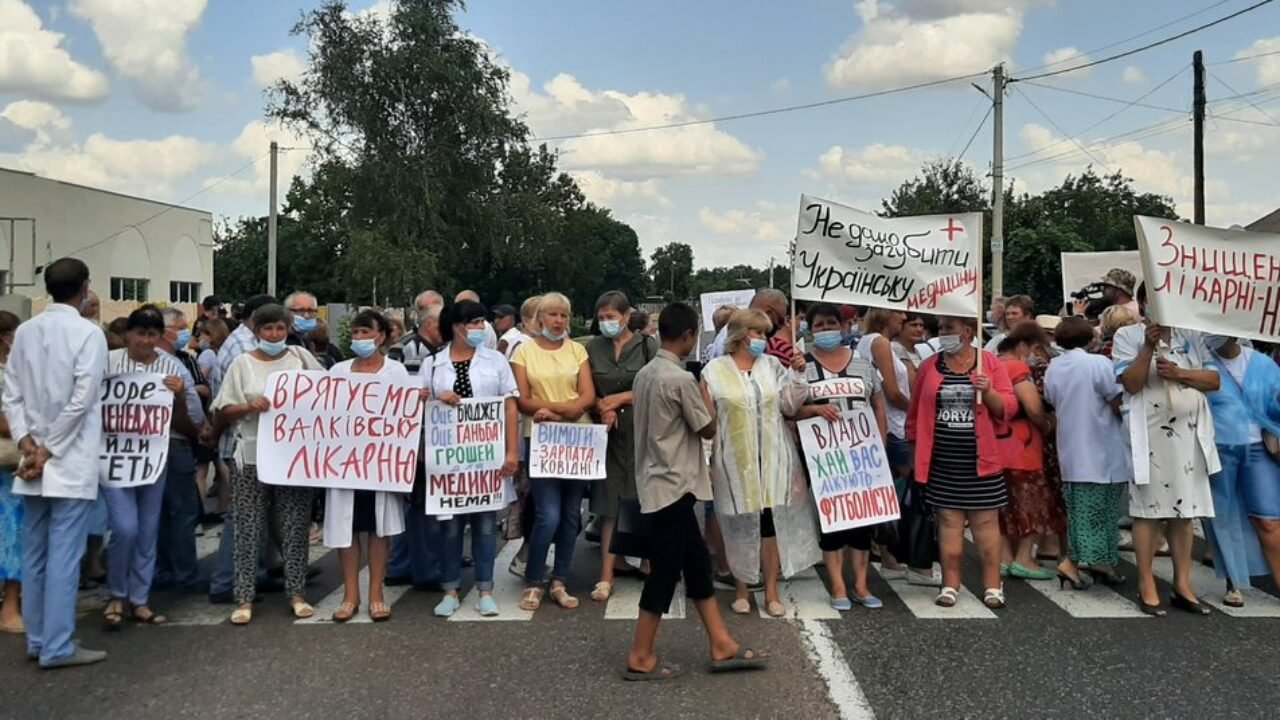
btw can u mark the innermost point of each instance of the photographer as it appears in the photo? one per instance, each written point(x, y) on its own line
point(1115, 288)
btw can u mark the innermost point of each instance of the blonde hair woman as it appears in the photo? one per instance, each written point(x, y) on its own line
point(554, 379)
point(760, 495)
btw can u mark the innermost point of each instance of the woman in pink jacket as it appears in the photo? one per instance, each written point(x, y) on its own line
point(955, 413)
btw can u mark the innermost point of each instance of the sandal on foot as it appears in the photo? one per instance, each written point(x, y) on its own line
point(745, 659)
point(740, 607)
point(381, 612)
point(241, 616)
point(659, 672)
point(947, 597)
point(1234, 598)
point(147, 616)
point(562, 598)
point(776, 609)
point(113, 615)
point(601, 592)
point(302, 609)
point(345, 612)
point(531, 600)
point(993, 598)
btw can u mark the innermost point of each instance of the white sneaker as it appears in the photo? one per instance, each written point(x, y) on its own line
point(930, 580)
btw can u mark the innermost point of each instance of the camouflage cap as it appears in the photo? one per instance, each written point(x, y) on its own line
point(1120, 278)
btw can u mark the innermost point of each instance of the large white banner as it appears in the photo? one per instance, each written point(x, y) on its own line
point(1211, 279)
point(713, 301)
point(359, 432)
point(926, 263)
point(1085, 268)
point(137, 410)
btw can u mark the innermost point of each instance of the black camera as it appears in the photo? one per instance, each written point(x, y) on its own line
point(1089, 292)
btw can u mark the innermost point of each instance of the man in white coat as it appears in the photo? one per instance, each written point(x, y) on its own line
point(52, 398)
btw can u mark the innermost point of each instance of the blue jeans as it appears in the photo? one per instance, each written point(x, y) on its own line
point(133, 515)
point(53, 538)
point(484, 548)
point(176, 563)
point(558, 517)
point(415, 553)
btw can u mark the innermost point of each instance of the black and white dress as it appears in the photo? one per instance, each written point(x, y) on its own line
point(953, 473)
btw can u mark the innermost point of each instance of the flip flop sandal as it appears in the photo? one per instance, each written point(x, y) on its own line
point(531, 600)
point(602, 592)
point(379, 612)
point(150, 618)
point(746, 659)
point(302, 609)
point(113, 619)
point(562, 598)
point(345, 612)
point(993, 598)
point(659, 672)
point(947, 597)
point(241, 616)
point(1234, 599)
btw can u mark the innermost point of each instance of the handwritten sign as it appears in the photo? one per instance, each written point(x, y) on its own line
point(1210, 279)
point(849, 471)
point(927, 263)
point(567, 450)
point(713, 301)
point(358, 432)
point(1084, 268)
point(466, 446)
point(137, 410)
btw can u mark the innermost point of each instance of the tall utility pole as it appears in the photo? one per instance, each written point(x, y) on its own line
point(271, 225)
point(1197, 114)
point(997, 184)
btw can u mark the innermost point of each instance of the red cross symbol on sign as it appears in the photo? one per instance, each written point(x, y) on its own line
point(951, 229)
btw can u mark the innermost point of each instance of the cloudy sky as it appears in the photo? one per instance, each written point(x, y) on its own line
point(163, 98)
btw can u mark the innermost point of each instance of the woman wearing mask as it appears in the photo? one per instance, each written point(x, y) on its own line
point(133, 513)
point(1245, 530)
point(350, 514)
point(615, 356)
point(554, 379)
point(1032, 511)
point(958, 458)
point(880, 327)
point(765, 510)
point(1165, 377)
point(240, 403)
point(829, 358)
point(1092, 454)
point(467, 369)
point(10, 504)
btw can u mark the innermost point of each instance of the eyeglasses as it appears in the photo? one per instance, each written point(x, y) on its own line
point(305, 312)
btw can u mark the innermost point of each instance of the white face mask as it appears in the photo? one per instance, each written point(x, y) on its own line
point(949, 344)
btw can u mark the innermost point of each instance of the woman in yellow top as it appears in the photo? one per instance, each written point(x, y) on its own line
point(554, 379)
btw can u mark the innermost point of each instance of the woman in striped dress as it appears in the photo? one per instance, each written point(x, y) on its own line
point(955, 413)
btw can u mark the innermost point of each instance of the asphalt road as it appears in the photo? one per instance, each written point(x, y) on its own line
point(1047, 655)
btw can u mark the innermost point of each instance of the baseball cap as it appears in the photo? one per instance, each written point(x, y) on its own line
point(1120, 278)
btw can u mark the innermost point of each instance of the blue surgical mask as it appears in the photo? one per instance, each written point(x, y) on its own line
point(271, 349)
point(949, 344)
point(553, 337)
point(183, 340)
point(757, 346)
point(364, 348)
point(475, 337)
point(610, 328)
point(1215, 342)
point(304, 324)
point(828, 339)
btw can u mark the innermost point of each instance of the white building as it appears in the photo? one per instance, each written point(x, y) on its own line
point(137, 250)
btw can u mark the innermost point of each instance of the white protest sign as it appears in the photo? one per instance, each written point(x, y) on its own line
point(1211, 279)
point(713, 301)
point(466, 446)
point(358, 432)
point(927, 263)
point(849, 471)
point(1085, 268)
point(136, 413)
point(568, 450)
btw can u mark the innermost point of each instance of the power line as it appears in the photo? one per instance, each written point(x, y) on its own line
point(1243, 58)
point(1255, 107)
point(972, 113)
point(1057, 127)
point(1148, 46)
point(976, 130)
point(772, 111)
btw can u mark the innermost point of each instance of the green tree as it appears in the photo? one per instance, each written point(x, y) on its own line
point(943, 186)
point(670, 271)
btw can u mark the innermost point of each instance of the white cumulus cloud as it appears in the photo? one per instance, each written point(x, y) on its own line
point(609, 191)
point(1134, 75)
point(253, 141)
point(33, 61)
point(1066, 58)
point(146, 42)
point(1269, 66)
point(874, 164)
point(276, 66)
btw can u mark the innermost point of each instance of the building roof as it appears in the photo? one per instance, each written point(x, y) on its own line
point(1268, 223)
point(42, 178)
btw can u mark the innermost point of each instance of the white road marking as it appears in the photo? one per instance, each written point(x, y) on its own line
point(919, 599)
point(805, 596)
point(624, 604)
point(842, 687)
point(1099, 601)
point(327, 606)
point(1209, 588)
point(507, 589)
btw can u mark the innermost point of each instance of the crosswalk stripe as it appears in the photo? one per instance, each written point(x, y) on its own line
point(1098, 601)
point(805, 597)
point(1209, 588)
point(507, 589)
point(327, 606)
point(919, 599)
point(624, 603)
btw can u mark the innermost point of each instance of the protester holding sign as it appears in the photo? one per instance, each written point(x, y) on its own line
point(554, 379)
point(1165, 375)
point(765, 510)
point(376, 515)
point(1246, 494)
point(957, 409)
point(240, 403)
point(840, 380)
point(466, 368)
point(616, 355)
point(133, 508)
